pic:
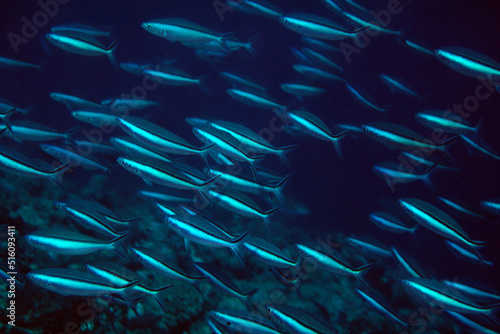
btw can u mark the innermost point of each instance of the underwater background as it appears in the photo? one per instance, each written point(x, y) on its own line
point(328, 197)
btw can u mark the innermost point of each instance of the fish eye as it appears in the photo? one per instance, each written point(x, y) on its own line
point(228, 323)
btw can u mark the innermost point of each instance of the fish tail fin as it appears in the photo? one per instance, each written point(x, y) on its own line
point(238, 256)
point(250, 45)
point(248, 296)
point(364, 269)
point(278, 189)
point(266, 218)
point(68, 134)
point(111, 53)
point(478, 125)
point(413, 235)
point(117, 245)
point(209, 182)
point(357, 34)
point(242, 237)
point(336, 138)
point(194, 282)
point(56, 172)
point(402, 31)
point(223, 38)
point(283, 151)
point(427, 174)
point(6, 121)
point(201, 83)
point(157, 295)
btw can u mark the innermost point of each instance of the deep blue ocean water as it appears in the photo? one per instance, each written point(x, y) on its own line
point(340, 193)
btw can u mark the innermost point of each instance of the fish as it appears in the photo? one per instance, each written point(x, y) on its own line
point(251, 140)
point(74, 102)
point(382, 307)
point(469, 62)
point(300, 91)
point(296, 321)
point(472, 323)
point(467, 255)
point(447, 121)
point(437, 221)
point(119, 275)
point(70, 282)
point(313, 126)
point(132, 148)
point(228, 145)
point(165, 267)
point(17, 65)
point(158, 138)
point(369, 24)
point(480, 146)
point(407, 265)
point(397, 137)
point(68, 155)
point(82, 44)
point(89, 219)
point(240, 204)
point(364, 99)
point(416, 159)
point(370, 247)
point(17, 163)
point(476, 291)
point(430, 292)
point(203, 232)
point(175, 77)
point(125, 104)
point(100, 119)
point(237, 321)
point(315, 73)
point(314, 26)
point(461, 208)
point(267, 253)
point(320, 59)
point(236, 182)
point(183, 30)
point(256, 99)
point(223, 282)
point(162, 174)
point(387, 222)
point(237, 80)
point(319, 45)
point(393, 173)
point(31, 131)
point(67, 242)
point(397, 85)
point(331, 262)
point(256, 7)
point(111, 216)
point(491, 205)
point(164, 197)
point(81, 28)
point(416, 47)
